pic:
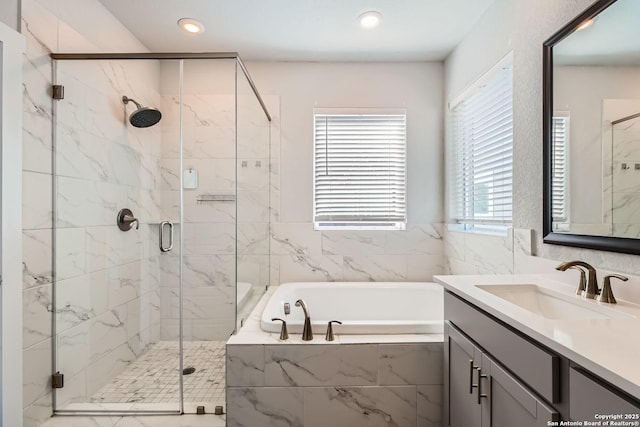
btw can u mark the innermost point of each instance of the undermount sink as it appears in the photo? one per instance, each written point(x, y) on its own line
point(551, 305)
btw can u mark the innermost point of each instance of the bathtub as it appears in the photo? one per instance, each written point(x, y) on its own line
point(364, 308)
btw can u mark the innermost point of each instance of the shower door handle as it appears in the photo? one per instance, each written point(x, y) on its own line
point(164, 248)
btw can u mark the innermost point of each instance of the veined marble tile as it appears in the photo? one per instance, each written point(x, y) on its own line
point(209, 271)
point(104, 369)
point(74, 349)
point(208, 303)
point(124, 283)
point(194, 211)
point(417, 239)
point(40, 25)
point(253, 206)
point(80, 298)
point(36, 372)
point(403, 364)
point(108, 247)
point(523, 241)
point(84, 203)
point(360, 406)
point(253, 174)
point(430, 405)
point(254, 269)
point(108, 332)
point(295, 239)
point(209, 238)
point(353, 242)
point(36, 200)
point(625, 207)
point(36, 414)
point(82, 155)
point(310, 268)
point(81, 421)
point(245, 365)
point(375, 268)
point(70, 252)
point(422, 268)
point(265, 407)
point(36, 258)
point(253, 238)
point(37, 308)
point(318, 365)
point(454, 243)
point(209, 142)
point(493, 253)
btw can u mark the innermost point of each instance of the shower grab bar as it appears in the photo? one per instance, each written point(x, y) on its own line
point(162, 247)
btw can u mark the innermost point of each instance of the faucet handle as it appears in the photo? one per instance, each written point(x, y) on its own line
point(329, 334)
point(607, 293)
point(582, 285)
point(284, 335)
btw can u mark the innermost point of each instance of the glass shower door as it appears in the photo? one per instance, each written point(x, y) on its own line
point(110, 273)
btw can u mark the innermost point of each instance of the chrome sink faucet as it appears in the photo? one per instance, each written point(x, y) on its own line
point(592, 289)
point(307, 333)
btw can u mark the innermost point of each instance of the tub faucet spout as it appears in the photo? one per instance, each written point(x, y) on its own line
point(307, 334)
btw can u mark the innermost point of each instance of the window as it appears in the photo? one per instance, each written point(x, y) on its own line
point(359, 169)
point(560, 174)
point(482, 131)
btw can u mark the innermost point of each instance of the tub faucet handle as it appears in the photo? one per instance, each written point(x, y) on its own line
point(287, 308)
point(284, 335)
point(329, 335)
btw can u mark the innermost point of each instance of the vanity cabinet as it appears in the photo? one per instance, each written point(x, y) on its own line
point(482, 394)
point(496, 376)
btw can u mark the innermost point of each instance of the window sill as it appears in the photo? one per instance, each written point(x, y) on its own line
point(486, 230)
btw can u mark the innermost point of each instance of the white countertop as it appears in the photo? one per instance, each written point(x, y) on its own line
point(609, 347)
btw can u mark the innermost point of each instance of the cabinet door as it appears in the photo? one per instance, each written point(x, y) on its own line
point(508, 403)
point(463, 360)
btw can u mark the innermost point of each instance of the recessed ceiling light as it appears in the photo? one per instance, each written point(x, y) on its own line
point(191, 25)
point(370, 19)
point(586, 24)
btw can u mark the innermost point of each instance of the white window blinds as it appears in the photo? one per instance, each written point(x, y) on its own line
point(560, 181)
point(359, 169)
point(483, 138)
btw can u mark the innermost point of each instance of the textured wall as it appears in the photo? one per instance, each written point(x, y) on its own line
point(10, 13)
point(522, 26)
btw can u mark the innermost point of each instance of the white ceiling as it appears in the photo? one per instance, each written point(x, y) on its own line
point(303, 30)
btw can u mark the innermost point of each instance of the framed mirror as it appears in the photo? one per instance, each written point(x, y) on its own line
point(591, 119)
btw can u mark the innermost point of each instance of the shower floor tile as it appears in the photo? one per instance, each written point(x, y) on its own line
point(153, 377)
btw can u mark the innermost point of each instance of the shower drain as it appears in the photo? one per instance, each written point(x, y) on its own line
point(188, 371)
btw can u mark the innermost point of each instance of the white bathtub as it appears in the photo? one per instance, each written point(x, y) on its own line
point(363, 308)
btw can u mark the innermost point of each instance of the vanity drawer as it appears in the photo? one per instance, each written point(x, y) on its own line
point(534, 365)
point(588, 397)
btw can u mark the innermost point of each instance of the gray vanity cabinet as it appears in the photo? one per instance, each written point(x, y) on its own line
point(482, 394)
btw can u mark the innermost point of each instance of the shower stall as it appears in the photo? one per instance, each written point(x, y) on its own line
point(161, 206)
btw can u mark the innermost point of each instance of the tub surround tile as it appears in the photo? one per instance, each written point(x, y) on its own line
point(245, 365)
point(422, 268)
point(353, 242)
point(402, 364)
point(429, 402)
point(310, 268)
point(295, 239)
point(360, 406)
point(265, 407)
point(296, 365)
point(375, 268)
point(417, 239)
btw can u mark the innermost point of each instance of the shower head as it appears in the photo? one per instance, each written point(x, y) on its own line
point(143, 117)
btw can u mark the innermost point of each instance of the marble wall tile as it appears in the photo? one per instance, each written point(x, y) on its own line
point(625, 207)
point(318, 365)
point(36, 201)
point(493, 253)
point(108, 332)
point(430, 405)
point(254, 269)
point(104, 369)
point(422, 268)
point(123, 283)
point(108, 247)
point(36, 372)
point(209, 238)
point(375, 268)
point(80, 298)
point(208, 270)
point(36, 137)
point(265, 407)
point(253, 238)
point(310, 268)
point(74, 349)
point(402, 364)
point(360, 406)
point(70, 250)
point(74, 390)
point(36, 414)
point(353, 242)
point(295, 239)
point(417, 239)
point(37, 308)
point(253, 206)
point(253, 174)
point(36, 258)
point(245, 365)
point(82, 155)
point(523, 241)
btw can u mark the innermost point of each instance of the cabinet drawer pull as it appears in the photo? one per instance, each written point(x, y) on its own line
point(480, 377)
point(471, 384)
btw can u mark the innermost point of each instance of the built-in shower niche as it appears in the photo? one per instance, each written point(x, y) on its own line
point(122, 305)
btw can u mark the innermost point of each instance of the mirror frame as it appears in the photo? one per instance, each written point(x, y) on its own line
point(603, 243)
